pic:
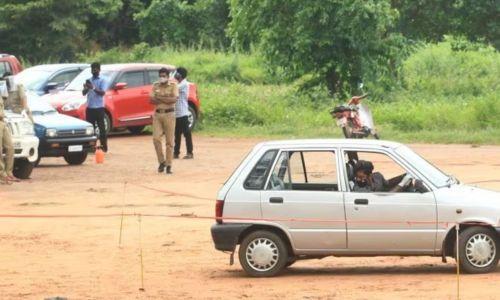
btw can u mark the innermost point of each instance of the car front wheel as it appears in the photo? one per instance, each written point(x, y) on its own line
point(22, 168)
point(479, 250)
point(75, 158)
point(263, 254)
point(192, 118)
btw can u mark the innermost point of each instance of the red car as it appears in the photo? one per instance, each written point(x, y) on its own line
point(126, 99)
point(9, 63)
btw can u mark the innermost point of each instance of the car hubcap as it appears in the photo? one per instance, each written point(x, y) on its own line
point(480, 250)
point(190, 119)
point(262, 254)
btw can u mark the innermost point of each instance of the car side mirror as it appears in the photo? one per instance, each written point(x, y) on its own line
point(120, 86)
point(51, 86)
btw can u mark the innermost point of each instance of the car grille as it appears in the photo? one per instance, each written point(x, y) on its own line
point(74, 132)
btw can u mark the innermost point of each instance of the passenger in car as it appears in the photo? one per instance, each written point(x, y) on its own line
point(366, 181)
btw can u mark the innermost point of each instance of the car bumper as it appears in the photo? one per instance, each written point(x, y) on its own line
point(26, 147)
point(226, 235)
point(60, 146)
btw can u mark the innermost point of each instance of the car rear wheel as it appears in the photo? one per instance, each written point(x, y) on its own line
point(263, 254)
point(192, 118)
point(22, 168)
point(75, 158)
point(479, 250)
point(136, 129)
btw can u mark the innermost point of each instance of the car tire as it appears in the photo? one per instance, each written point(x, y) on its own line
point(263, 254)
point(136, 129)
point(107, 125)
point(192, 118)
point(479, 250)
point(75, 158)
point(37, 161)
point(22, 168)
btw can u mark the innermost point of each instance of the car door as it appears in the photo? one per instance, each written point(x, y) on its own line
point(302, 193)
point(384, 221)
point(131, 104)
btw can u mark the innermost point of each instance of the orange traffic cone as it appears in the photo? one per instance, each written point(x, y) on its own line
point(99, 155)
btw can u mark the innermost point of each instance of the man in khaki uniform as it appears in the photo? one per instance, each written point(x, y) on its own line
point(16, 100)
point(163, 96)
point(6, 146)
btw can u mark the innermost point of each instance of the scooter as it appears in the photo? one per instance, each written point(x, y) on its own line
point(355, 119)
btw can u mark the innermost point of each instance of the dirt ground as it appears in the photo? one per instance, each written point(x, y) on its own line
point(80, 258)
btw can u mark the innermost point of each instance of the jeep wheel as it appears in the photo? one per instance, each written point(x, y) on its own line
point(22, 168)
point(479, 250)
point(263, 254)
point(75, 158)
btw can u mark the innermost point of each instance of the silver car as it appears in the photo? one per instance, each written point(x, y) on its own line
point(300, 199)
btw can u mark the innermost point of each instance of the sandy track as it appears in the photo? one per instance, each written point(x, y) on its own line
point(80, 258)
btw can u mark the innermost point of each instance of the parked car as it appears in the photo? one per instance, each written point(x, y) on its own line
point(9, 63)
point(127, 96)
point(291, 200)
point(60, 135)
point(43, 79)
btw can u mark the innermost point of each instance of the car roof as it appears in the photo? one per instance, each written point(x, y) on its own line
point(133, 66)
point(57, 67)
point(329, 143)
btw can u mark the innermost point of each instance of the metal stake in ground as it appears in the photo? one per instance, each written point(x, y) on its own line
point(140, 254)
point(457, 228)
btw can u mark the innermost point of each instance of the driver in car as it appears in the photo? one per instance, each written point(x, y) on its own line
point(366, 181)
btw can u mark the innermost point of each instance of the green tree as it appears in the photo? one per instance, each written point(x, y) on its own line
point(336, 42)
point(185, 23)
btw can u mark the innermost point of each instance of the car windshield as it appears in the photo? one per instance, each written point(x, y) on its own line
point(77, 83)
point(32, 79)
point(39, 106)
point(432, 173)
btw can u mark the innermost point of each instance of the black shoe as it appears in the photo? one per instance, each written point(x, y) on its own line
point(169, 170)
point(188, 156)
point(176, 156)
point(161, 168)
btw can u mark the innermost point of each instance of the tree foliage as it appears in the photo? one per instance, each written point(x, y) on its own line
point(337, 41)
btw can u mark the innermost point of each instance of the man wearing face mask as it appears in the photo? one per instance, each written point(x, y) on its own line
point(365, 181)
point(164, 95)
point(16, 100)
point(95, 88)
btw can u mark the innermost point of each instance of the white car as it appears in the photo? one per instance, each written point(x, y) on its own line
point(299, 199)
point(25, 144)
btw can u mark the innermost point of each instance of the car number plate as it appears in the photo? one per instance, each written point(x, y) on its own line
point(75, 148)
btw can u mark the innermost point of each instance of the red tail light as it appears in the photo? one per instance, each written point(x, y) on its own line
point(219, 208)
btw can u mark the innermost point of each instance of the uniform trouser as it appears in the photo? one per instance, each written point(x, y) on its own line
point(182, 128)
point(164, 124)
point(7, 165)
point(96, 115)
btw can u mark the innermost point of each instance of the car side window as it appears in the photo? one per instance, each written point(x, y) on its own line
point(153, 76)
point(257, 177)
point(4, 67)
point(62, 79)
point(385, 176)
point(305, 171)
point(132, 79)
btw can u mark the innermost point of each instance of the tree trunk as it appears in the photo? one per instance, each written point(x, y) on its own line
point(332, 81)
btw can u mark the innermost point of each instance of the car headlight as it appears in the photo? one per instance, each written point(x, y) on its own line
point(51, 132)
point(71, 106)
point(89, 130)
point(26, 128)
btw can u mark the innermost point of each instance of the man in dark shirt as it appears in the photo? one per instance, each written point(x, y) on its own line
point(366, 181)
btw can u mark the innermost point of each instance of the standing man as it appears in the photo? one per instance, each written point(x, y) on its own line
point(181, 115)
point(5, 142)
point(95, 88)
point(164, 96)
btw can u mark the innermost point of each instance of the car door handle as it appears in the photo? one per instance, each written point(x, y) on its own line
point(361, 201)
point(276, 200)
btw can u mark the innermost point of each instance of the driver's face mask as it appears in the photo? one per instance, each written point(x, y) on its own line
point(361, 182)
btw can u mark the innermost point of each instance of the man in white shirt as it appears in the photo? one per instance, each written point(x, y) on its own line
point(181, 115)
